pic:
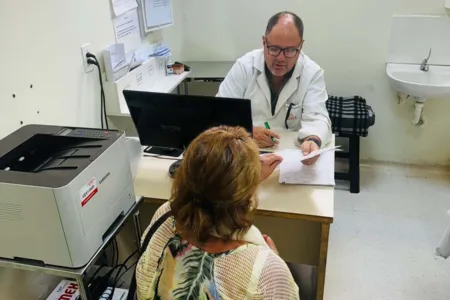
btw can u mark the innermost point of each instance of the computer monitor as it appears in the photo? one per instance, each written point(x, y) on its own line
point(172, 121)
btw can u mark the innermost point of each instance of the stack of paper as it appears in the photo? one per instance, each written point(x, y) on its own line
point(293, 171)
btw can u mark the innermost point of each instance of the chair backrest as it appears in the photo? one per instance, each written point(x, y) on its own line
point(305, 277)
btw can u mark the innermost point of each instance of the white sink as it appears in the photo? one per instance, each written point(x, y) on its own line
point(409, 79)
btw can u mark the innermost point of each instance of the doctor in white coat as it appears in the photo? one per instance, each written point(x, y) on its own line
point(286, 88)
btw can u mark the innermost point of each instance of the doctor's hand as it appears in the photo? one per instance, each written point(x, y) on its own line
point(263, 137)
point(269, 162)
point(307, 148)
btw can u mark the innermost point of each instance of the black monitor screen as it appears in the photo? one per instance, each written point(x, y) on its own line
point(173, 121)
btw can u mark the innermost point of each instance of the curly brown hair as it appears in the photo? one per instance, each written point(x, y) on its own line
point(214, 190)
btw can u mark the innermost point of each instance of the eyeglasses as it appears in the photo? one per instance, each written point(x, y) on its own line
point(288, 52)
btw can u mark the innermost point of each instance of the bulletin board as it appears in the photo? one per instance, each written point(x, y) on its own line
point(156, 14)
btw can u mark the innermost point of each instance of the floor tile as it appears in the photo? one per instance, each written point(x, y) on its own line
point(383, 240)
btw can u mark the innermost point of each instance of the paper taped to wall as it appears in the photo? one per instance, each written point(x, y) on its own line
point(157, 13)
point(293, 171)
point(122, 6)
point(127, 30)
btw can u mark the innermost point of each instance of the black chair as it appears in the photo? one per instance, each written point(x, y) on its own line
point(350, 118)
point(353, 164)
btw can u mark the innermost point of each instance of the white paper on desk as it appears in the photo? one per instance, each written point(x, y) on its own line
point(158, 12)
point(293, 171)
point(122, 6)
point(319, 152)
point(127, 30)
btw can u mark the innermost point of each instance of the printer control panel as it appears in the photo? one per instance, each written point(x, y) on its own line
point(88, 133)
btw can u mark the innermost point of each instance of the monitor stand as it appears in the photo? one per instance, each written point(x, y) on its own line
point(160, 151)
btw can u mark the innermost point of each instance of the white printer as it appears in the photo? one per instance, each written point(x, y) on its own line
point(61, 189)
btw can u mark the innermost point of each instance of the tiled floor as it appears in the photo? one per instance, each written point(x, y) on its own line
point(383, 240)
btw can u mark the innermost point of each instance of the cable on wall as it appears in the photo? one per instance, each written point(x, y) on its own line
point(92, 60)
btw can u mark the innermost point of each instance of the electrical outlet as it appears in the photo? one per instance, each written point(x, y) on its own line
point(85, 49)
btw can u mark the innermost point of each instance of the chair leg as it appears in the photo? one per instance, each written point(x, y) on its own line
point(354, 165)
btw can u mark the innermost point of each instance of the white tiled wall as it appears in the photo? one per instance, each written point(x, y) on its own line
point(413, 36)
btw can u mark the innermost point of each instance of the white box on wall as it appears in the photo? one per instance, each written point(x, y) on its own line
point(115, 102)
point(161, 62)
point(143, 78)
point(150, 68)
point(413, 36)
point(138, 78)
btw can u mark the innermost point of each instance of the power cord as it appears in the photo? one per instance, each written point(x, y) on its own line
point(128, 269)
point(109, 292)
point(115, 254)
point(101, 283)
point(92, 60)
point(97, 285)
point(116, 250)
point(117, 277)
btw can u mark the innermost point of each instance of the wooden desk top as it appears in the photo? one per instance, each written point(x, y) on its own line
point(312, 203)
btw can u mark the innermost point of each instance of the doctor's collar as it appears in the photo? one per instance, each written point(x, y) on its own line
point(286, 76)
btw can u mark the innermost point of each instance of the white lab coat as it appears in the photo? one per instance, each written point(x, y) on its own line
point(305, 92)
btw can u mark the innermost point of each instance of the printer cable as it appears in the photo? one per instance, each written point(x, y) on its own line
point(119, 275)
point(92, 60)
point(116, 252)
point(97, 285)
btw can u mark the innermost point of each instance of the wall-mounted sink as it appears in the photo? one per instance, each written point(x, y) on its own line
point(409, 79)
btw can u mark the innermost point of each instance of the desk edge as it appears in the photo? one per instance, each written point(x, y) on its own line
point(267, 213)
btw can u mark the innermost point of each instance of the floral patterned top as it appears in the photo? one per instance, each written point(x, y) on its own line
point(172, 268)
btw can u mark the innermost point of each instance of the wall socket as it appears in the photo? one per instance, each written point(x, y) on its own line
point(85, 49)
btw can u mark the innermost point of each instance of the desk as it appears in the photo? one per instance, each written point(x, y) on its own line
point(168, 83)
point(293, 215)
point(207, 70)
point(79, 274)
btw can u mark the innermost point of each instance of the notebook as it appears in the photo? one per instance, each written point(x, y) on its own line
point(293, 171)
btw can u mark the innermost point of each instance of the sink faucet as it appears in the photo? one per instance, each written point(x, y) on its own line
point(424, 66)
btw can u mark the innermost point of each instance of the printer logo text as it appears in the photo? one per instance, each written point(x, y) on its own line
point(104, 178)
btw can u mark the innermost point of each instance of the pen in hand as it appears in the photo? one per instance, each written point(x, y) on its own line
point(266, 124)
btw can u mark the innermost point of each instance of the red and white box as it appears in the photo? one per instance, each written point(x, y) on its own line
point(66, 290)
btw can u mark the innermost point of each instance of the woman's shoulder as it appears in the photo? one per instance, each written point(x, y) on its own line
point(165, 228)
point(276, 281)
point(261, 271)
point(160, 212)
point(246, 257)
point(265, 258)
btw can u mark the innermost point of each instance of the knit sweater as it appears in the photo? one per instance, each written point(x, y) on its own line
point(172, 268)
